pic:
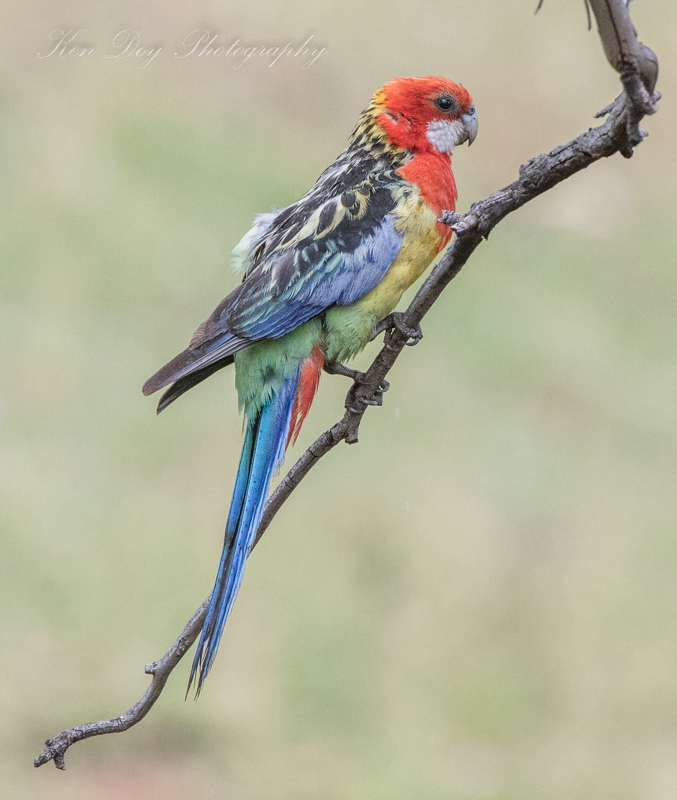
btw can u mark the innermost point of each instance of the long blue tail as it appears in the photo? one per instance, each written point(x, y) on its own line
point(263, 451)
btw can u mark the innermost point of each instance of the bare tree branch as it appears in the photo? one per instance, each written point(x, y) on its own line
point(160, 670)
point(638, 68)
point(635, 62)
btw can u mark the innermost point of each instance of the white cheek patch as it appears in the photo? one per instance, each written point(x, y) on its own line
point(445, 134)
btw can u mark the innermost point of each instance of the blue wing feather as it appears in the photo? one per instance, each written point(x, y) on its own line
point(332, 247)
point(336, 278)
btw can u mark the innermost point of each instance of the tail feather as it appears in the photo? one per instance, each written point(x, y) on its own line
point(309, 379)
point(265, 441)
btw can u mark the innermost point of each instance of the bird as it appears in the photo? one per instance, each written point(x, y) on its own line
point(319, 278)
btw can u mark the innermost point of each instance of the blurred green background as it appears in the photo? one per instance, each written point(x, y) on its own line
point(478, 602)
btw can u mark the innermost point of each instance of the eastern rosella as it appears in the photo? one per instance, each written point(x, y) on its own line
point(319, 276)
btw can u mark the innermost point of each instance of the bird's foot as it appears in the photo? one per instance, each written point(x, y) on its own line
point(396, 321)
point(359, 379)
point(459, 223)
point(355, 399)
point(335, 368)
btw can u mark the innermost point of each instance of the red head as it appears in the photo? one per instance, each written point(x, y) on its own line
point(425, 114)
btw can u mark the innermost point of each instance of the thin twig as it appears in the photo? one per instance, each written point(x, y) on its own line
point(538, 175)
point(160, 670)
point(636, 64)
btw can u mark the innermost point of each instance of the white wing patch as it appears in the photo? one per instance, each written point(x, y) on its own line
point(242, 255)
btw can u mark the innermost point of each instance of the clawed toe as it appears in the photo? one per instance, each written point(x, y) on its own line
point(335, 368)
point(354, 399)
point(396, 321)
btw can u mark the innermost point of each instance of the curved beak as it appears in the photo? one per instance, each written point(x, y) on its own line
point(469, 121)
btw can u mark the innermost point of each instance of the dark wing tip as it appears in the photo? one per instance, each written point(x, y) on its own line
point(182, 385)
point(170, 371)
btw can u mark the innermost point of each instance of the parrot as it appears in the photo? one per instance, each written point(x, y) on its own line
point(319, 277)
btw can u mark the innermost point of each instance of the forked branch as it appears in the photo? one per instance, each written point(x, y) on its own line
point(620, 132)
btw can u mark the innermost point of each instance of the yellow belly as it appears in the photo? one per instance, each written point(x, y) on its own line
point(349, 328)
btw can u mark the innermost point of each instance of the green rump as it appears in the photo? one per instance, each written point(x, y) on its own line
point(261, 368)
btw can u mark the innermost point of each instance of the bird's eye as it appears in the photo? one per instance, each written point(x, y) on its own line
point(445, 103)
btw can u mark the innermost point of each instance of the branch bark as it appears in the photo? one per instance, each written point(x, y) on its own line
point(638, 68)
point(635, 62)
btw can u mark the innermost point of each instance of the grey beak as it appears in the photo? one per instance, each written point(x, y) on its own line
point(469, 121)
